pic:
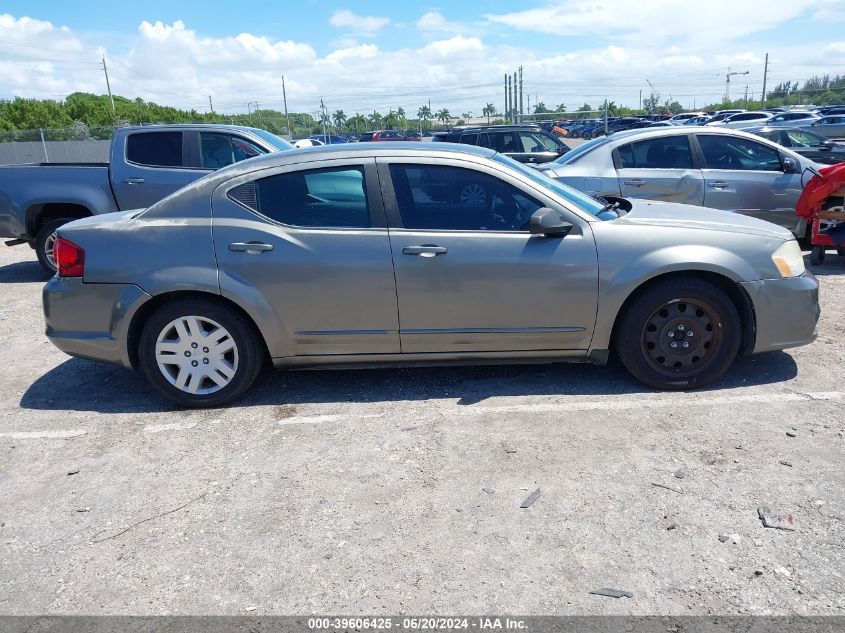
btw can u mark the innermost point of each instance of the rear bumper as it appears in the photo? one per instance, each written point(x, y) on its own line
point(787, 311)
point(91, 320)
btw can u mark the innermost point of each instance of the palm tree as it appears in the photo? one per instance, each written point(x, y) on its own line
point(424, 114)
point(467, 115)
point(358, 121)
point(400, 114)
point(339, 118)
point(443, 116)
point(375, 119)
point(390, 120)
point(561, 107)
point(488, 110)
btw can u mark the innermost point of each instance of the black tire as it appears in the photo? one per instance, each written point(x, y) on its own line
point(841, 251)
point(249, 350)
point(817, 254)
point(43, 243)
point(705, 355)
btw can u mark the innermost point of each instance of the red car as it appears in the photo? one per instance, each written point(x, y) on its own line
point(386, 135)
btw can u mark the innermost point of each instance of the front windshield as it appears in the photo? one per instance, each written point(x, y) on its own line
point(578, 198)
point(275, 141)
point(574, 154)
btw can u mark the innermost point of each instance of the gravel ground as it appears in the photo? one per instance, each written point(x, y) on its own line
point(399, 491)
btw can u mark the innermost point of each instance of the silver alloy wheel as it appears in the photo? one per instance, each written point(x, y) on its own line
point(474, 195)
point(196, 355)
point(48, 250)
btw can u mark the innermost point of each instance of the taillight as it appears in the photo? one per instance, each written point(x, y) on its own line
point(70, 259)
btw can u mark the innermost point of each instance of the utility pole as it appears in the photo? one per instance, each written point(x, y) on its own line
point(210, 107)
point(765, 75)
point(510, 99)
point(641, 99)
point(249, 108)
point(108, 85)
point(505, 111)
point(323, 117)
point(521, 111)
point(728, 83)
point(746, 96)
point(285, 99)
point(529, 104)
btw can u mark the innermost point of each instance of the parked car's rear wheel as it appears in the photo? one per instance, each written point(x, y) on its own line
point(44, 240)
point(817, 254)
point(473, 195)
point(199, 353)
point(679, 334)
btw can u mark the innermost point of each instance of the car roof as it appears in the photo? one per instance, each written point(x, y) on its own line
point(197, 126)
point(656, 132)
point(496, 128)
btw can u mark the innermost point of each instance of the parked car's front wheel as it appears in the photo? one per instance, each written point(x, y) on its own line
point(681, 333)
point(199, 353)
point(44, 240)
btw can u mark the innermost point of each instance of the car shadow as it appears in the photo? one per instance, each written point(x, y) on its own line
point(81, 385)
point(833, 265)
point(23, 273)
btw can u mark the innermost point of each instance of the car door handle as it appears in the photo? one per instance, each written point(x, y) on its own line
point(426, 250)
point(634, 183)
point(133, 181)
point(719, 184)
point(250, 247)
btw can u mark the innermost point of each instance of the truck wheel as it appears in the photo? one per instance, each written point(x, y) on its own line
point(679, 334)
point(199, 353)
point(44, 240)
point(817, 254)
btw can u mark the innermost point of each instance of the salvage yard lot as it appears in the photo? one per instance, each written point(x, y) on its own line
point(384, 491)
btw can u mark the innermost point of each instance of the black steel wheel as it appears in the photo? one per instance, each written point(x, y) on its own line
point(679, 334)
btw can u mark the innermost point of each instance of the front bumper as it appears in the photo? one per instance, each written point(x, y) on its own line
point(787, 311)
point(91, 320)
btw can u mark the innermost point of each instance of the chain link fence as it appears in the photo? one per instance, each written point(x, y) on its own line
point(77, 144)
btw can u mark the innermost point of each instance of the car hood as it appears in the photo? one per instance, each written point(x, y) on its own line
point(686, 216)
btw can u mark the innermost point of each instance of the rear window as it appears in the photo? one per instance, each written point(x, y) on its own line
point(155, 149)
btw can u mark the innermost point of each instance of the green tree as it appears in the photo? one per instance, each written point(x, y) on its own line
point(561, 107)
point(375, 120)
point(488, 110)
point(443, 116)
point(541, 108)
point(424, 113)
point(339, 118)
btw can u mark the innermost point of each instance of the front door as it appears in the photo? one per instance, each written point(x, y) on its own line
point(310, 245)
point(469, 275)
point(659, 169)
point(748, 177)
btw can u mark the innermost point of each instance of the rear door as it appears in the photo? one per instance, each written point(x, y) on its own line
point(307, 244)
point(746, 176)
point(659, 168)
point(151, 166)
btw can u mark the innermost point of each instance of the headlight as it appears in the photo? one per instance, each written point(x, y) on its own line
point(788, 259)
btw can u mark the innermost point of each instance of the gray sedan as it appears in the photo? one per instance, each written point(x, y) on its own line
point(417, 253)
point(705, 166)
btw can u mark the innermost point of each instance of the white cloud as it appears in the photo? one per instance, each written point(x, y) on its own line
point(170, 63)
point(365, 26)
point(655, 20)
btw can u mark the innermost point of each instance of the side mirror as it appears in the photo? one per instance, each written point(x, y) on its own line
point(545, 221)
point(790, 165)
point(827, 145)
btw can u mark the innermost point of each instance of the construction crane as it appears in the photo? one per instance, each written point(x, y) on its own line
point(728, 83)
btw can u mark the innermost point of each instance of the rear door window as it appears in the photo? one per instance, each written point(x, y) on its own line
point(155, 149)
point(469, 139)
point(672, 152)
point(328, 198)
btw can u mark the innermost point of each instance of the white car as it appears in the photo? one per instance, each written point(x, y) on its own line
point(307, 142)
point(743, 119)
point(680, 119)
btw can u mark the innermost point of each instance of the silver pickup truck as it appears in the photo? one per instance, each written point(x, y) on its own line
point(146, 164)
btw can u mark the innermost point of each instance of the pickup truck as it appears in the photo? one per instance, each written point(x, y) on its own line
point(147, 163)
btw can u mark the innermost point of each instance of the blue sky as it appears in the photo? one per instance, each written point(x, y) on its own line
point(376, 55)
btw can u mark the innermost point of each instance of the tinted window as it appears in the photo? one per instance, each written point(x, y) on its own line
point(794, 116)
point(749, 116)
point(671, 152)
point(728, 152)
point(320, 197)
point(799, 138)
point(469, 139)
point(775, 136)
point(219, 150)
point(366, 136)
point(536, 142)
point(505, 142)
point(455, 199)
point(158, 149)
